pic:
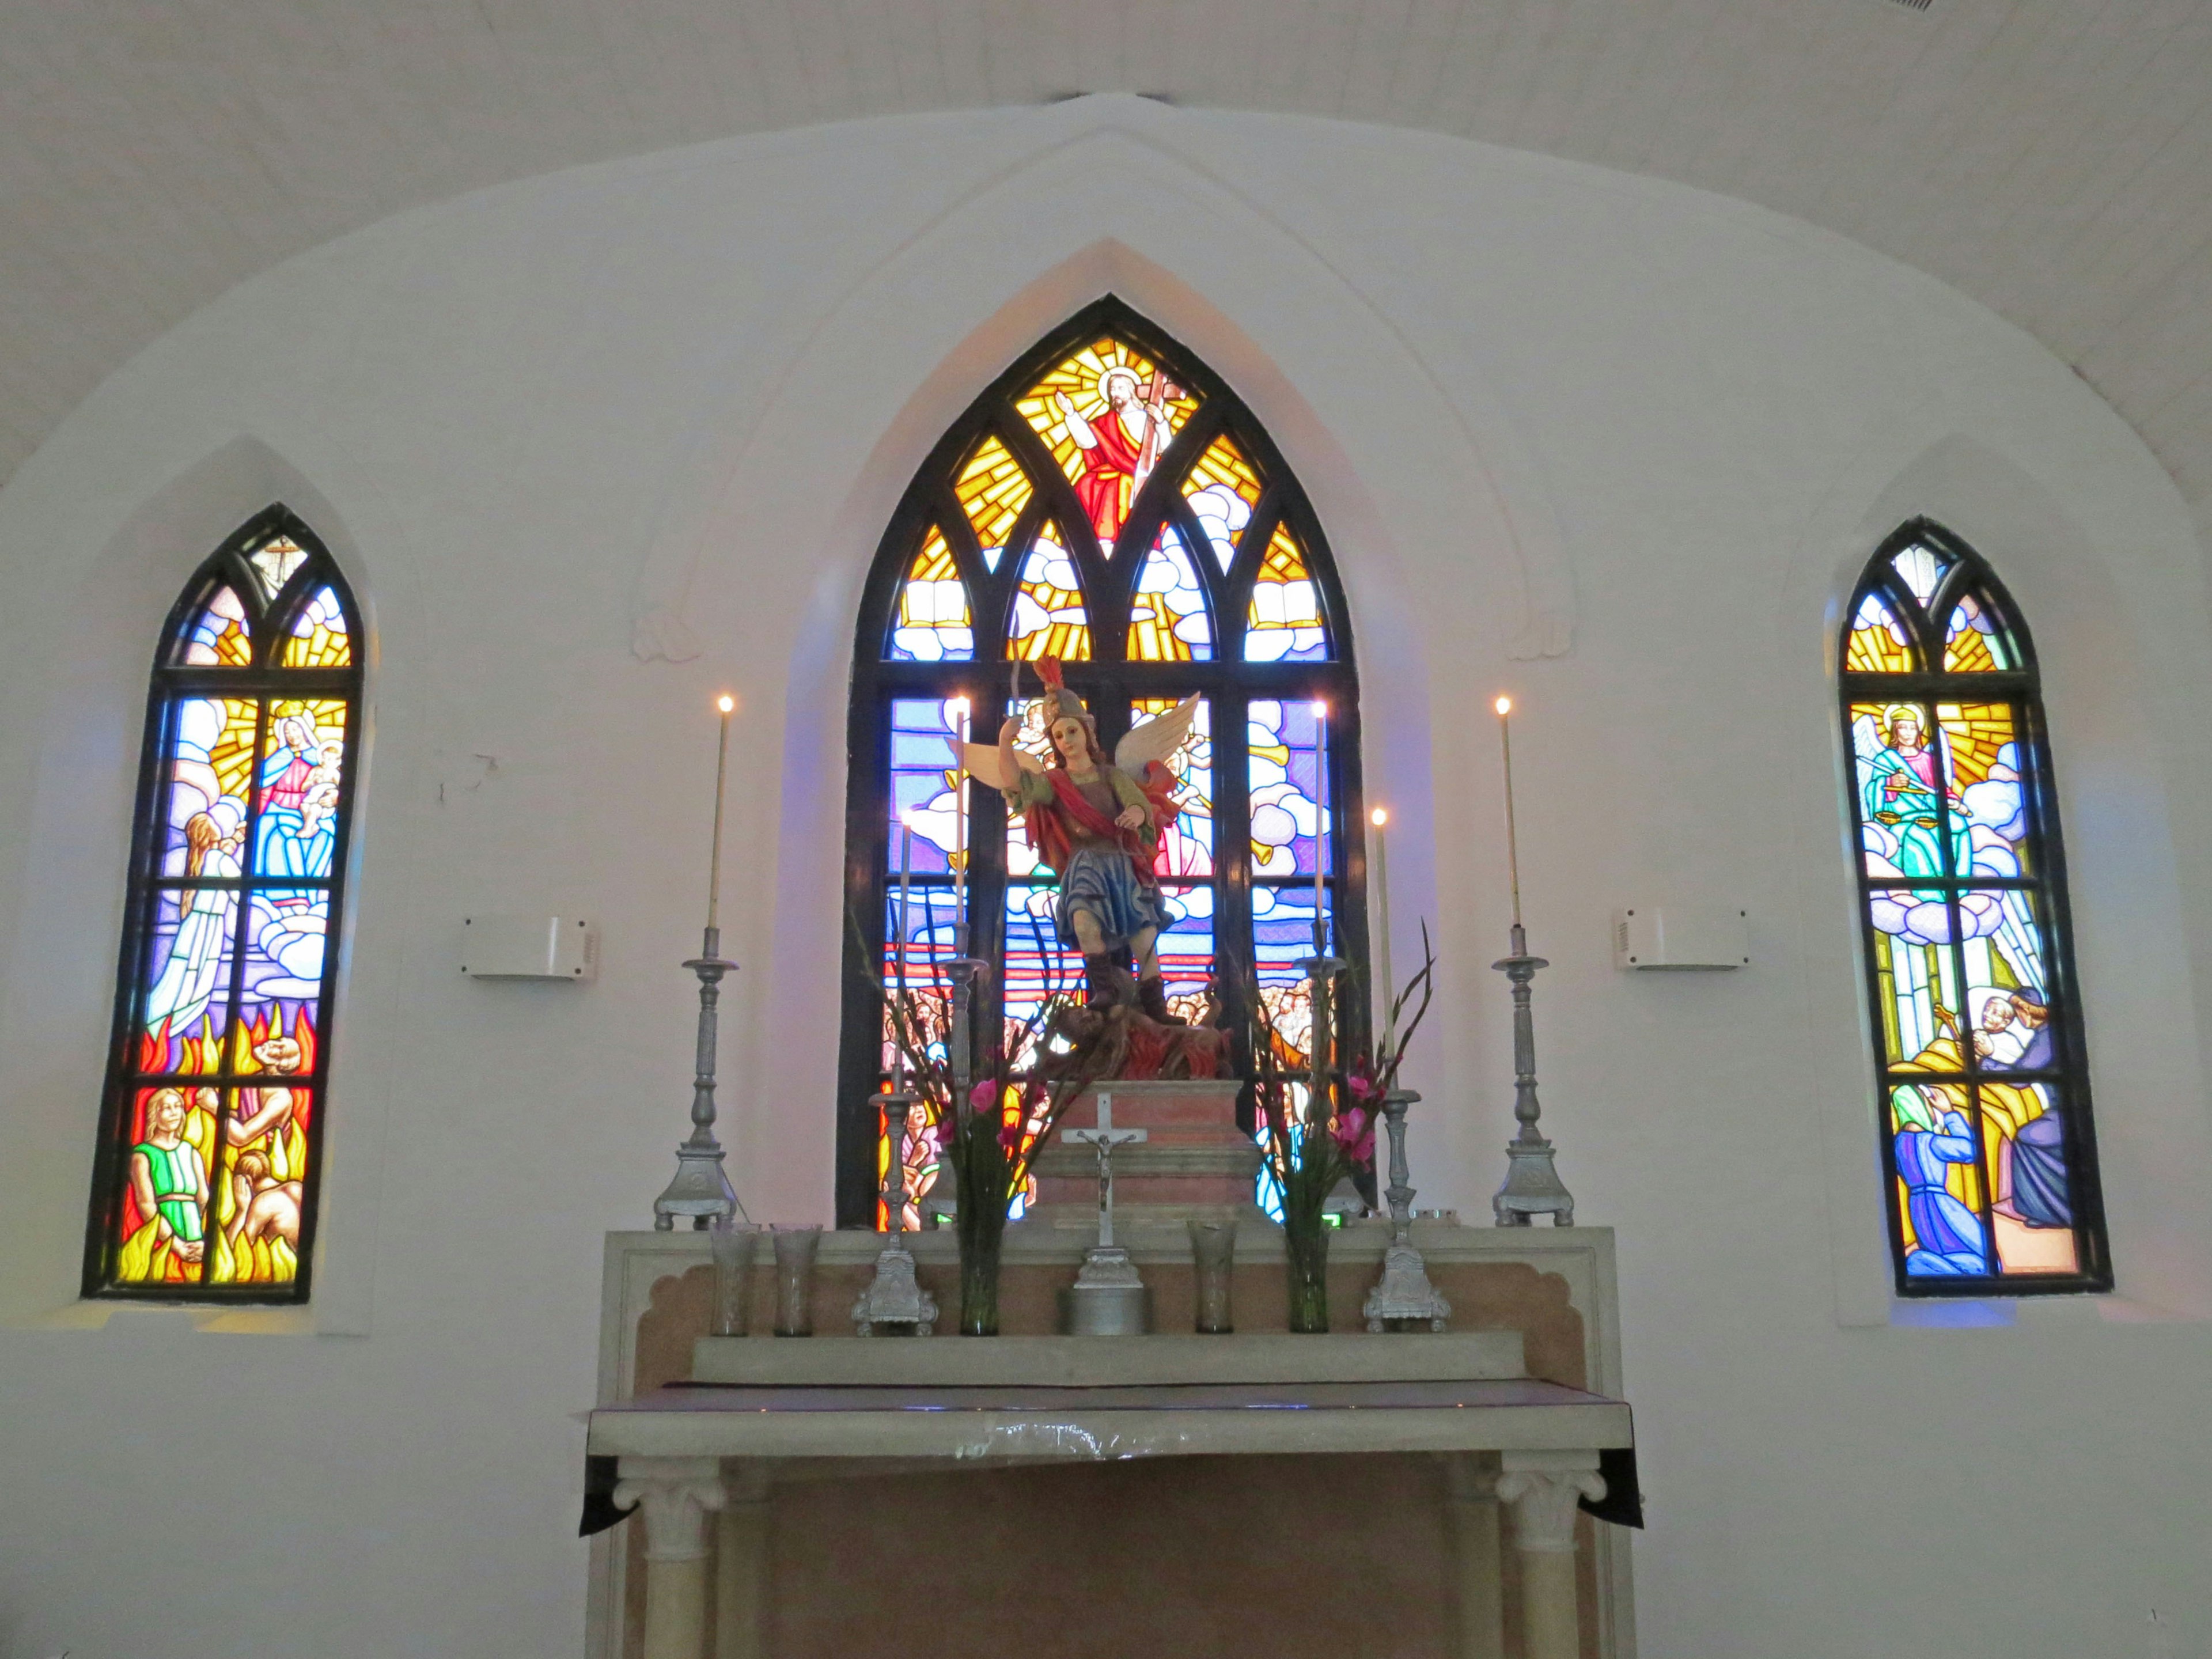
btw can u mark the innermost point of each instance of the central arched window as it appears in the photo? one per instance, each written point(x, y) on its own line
point(1110, 502)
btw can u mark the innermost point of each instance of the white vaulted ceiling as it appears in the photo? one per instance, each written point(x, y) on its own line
point(2052, 158)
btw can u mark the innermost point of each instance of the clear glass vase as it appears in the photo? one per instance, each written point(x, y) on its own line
point(979, 1280)
point(1305, 1243)
point(794, 1279)
point(732, 1242)
point(1214, 1262)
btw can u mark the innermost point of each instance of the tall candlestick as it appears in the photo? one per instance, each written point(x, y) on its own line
point(1504, 707)
point(726, 704)
point(1384, 1021)
point(1321, 829)
point(960, 828)
point(906, 879)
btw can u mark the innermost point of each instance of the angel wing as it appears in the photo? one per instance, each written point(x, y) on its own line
point(982, 761)
point(1866, 739)
point(1157, 739)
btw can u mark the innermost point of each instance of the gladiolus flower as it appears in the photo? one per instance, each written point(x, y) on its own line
point(984, 1096)
point(1354, 1133)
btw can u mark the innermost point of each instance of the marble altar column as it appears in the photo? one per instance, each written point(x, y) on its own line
point(1478, 1605)
point(672, 1496)
point(1546, 1489)
point(741, 1564)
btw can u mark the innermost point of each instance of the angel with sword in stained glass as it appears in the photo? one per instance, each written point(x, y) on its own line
point(1098, 824)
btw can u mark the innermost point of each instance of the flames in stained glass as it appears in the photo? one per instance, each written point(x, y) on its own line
point(1168, 621)
point(933, 623)
point(1283, 622)
point(1049, 618)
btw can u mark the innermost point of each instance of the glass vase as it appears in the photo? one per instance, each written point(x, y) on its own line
point(732, 1242)
point(1305, 1243)
point(979, 1280)
point(794, 1279)
point(1213, 1264)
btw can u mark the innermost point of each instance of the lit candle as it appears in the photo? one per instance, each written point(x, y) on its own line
point(727, 703)
point(906, 877)
point(1504, 707)
point(959, 712)
point(1383, 1022)
point(1321, 829)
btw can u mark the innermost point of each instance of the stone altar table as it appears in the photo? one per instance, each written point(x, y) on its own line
point(1167, 1494)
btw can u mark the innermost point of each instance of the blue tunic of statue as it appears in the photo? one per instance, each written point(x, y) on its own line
point(1949, 1234)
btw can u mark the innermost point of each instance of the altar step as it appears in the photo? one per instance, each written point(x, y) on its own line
point(1194, 1165)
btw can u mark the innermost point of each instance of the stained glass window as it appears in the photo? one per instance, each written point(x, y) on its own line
point(1982, 1085)
point(1108, 502)
point(210, 1148)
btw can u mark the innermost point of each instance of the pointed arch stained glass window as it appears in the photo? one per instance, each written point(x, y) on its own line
point(1982, 1078)
point(1110, 501)
point(211, 1151)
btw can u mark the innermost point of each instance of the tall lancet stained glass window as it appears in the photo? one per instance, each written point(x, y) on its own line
point(1110, 502)
point(1983, 1089)
point(210, 1149)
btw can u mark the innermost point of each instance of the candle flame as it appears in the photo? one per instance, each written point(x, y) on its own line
point(1504, 707)
point(725, 702)
point(1378, 818)
point(1320, 710)
point(958, 707)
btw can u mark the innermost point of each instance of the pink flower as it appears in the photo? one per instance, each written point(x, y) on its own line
point(984, 1096)
point(1364, 1087)
point(1354, 1133)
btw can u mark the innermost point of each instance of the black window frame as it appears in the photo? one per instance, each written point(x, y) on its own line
point(2021, 688)
point(173, 682)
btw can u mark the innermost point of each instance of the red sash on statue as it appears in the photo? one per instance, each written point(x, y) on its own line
point(1048, 830)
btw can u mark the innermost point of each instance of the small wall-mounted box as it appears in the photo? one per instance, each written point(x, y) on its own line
point(511, 945)
point(1681, 936)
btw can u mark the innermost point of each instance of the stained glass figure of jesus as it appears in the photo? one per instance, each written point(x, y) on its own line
point(1120, 446)
point(1098, 824)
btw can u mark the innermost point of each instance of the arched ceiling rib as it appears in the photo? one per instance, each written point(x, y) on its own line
point(2051, 159)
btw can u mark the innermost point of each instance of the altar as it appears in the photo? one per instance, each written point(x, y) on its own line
point(1258, 1492)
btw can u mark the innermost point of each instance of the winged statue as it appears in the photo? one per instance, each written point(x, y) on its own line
point(1098, 824)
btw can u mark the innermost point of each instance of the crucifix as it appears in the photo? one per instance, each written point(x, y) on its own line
point(1109, 1297)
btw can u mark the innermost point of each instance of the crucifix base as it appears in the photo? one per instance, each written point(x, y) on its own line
point(1109, 1299)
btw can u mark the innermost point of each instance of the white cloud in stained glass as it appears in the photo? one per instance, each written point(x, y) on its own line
point(932, 623)
point(1921, 568)
point(1879, 643)
point(1222, 489)
point(1049, 618)
point(1975, 641)
point(220, 636)
point(1282, 758)
point(1283, 623)
point(1168, 620)
point(318, 635)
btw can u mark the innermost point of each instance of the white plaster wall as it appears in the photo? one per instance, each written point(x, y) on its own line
point(1614, 445)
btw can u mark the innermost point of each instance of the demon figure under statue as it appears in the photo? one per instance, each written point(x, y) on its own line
point(1097, 823)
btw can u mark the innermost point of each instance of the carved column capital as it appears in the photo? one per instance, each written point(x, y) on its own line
point(675, 1495)
point(1545, 1489)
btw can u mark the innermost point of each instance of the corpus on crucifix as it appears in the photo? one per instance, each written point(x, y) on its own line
point(1097, 823)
